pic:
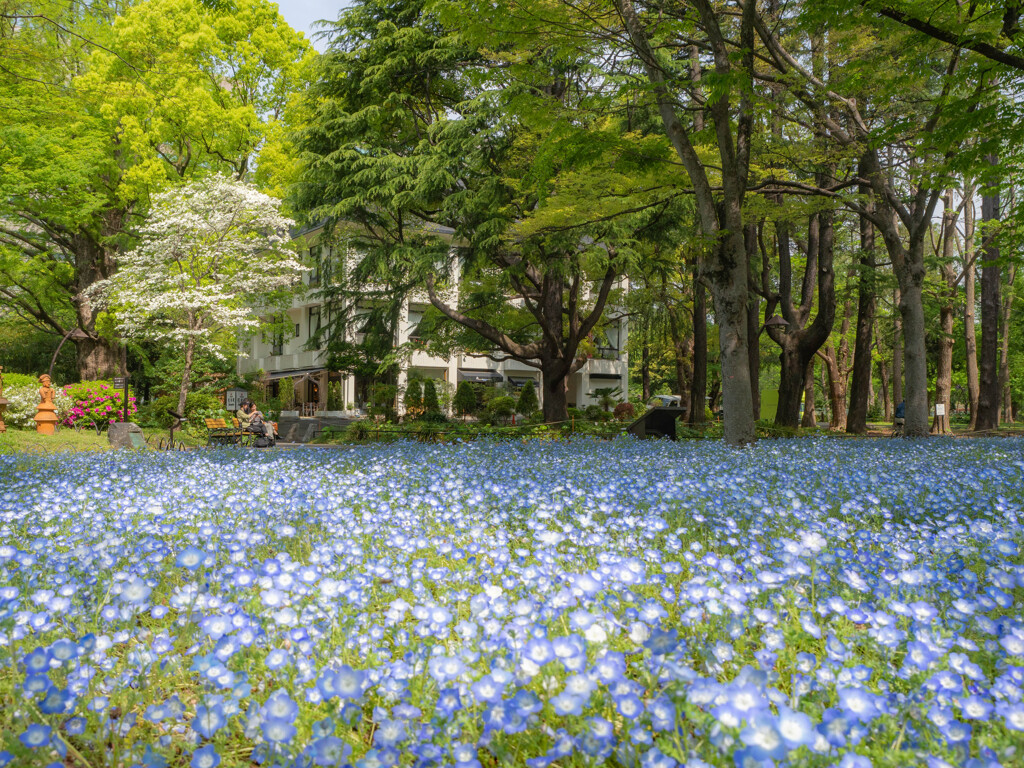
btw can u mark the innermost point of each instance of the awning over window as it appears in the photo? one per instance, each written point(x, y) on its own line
point(606, 376)
point(520, 381)
point(300, 373)
point(480, 376)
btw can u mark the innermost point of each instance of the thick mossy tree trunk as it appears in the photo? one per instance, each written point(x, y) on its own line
point(555, 406)
point(97, 357)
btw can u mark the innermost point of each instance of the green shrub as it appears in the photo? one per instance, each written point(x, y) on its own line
point(12, 380)
point(359, 431)
point(500, 410)
point(382, 401)
point(528, 403)
point(334, 402)
point(430, 401)
point(286, 393)
point(414, 397)
point(593, 413)
point(196, 405)
point(465, 399)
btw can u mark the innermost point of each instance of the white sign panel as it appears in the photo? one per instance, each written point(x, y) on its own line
point(234, 398)
point(940, 409)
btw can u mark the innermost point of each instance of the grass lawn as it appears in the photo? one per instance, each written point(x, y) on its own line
point(29, 441)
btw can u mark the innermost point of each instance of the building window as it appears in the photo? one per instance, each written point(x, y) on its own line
point(610, 349)
point(298, 328)
point(315, 254)
point(314, 321)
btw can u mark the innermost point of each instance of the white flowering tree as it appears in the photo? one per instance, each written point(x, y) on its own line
point(211, 255)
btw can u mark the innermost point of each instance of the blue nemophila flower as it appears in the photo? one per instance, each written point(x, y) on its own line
point(278, 731)
point(36, 735)
point(190, 559)
point(205, 757)
point(209, 720)
point(330, 751)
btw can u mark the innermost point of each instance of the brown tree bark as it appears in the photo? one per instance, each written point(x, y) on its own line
point(860, 382)
point(989, 390)
point(970, 300)
point(801, 340)
point(186, 375)
point(837, 368)
point(883, 376)
point(897, 351)
point(645, 371)
point(810, 417)
point(699, 385)
point(1006, 409)
point(947, 299)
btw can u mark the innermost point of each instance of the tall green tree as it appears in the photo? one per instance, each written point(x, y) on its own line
point(153, 93)
point(471, 169)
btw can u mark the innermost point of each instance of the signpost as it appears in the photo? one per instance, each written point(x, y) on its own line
point(121, 382)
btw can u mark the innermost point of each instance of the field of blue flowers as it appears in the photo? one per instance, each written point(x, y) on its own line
point(805, 602)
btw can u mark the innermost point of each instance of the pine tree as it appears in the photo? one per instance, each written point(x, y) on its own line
point(414, 397)
point(465, 399)
point(430, 402)
point(527, 404)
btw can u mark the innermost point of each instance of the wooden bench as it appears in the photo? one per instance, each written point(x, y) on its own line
point(219, 432)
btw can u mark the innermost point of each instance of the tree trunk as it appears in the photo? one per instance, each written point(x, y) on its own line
point(556, 391)
point(810, 419)
point(645, 370)
point(186, 375)
point(730, 296)
point(792, 382)
point(883, 376)
point(970, 334)
point(836, 389)
point(753, 324)
point(897, 351)
point(947, 295)
point(915, 363)
point(860, 384)
point(699, 385)
point(97, 358)
point(1004, 350)
point(988, 391)
point(944, 369)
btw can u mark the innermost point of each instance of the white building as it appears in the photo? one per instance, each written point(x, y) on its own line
point(288, 356)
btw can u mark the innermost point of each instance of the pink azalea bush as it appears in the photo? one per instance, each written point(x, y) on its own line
point(97, 402)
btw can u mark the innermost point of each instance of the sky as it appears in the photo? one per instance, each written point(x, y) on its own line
point(301, 14)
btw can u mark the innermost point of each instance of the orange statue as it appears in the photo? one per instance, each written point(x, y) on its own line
point(46, 413)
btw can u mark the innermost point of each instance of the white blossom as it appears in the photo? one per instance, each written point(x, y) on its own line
point(211, 253)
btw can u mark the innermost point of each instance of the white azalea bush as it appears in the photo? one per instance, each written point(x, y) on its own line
point(23, 403)
point(806, 603)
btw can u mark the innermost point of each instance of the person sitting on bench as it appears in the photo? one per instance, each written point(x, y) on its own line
point(251, 419)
